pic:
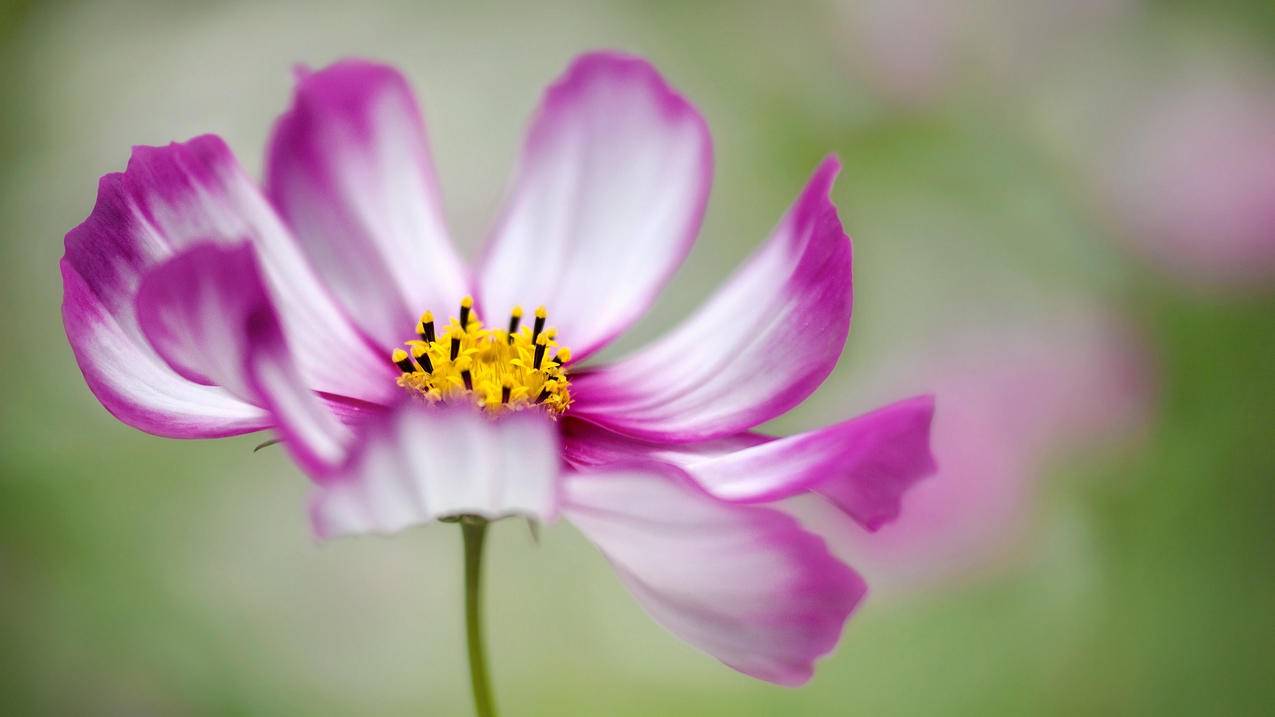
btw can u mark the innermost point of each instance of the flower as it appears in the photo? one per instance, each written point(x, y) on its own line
point(1015, 397)
point(198, 305)
point(966, 42)
point(1188, 174)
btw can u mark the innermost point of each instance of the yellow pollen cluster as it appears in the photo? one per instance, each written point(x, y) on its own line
point(501, 370)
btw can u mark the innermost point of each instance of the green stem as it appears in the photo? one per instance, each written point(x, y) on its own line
point(474, 530)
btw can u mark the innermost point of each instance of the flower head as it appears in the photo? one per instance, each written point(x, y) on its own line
point(499, 370)
point(199, 305)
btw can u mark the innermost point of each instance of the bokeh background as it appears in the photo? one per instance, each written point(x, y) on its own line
point(1064, 221)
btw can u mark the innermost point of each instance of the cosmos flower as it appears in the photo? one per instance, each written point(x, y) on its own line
point(997, 46)
point(1015, 398)
point(200, 305)
point(1187, 171)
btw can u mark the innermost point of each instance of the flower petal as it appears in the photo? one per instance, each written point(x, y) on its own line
point(743, 583)
point(1014, 396)
point(420, 463)
point(349, 167)
point(134, 383)
point(170, 198)
point(757, 348)
point(207, 313)
point(863, 465)
point(195, 309)
point(607, 201)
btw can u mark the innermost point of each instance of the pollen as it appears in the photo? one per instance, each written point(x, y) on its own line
point(499, 370)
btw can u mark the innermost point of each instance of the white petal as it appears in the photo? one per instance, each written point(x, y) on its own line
point(607, 201)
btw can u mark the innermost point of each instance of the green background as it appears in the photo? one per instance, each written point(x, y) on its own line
point(148, 576)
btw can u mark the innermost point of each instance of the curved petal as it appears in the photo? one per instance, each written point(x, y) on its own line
point(170, 198)
point(758, 347)
point(207, 313)
point(608, 198)
point(349, 167)
point(745, 584)
point(195, 309)
point(420, 463)
point(863, 465)
point(134, 383)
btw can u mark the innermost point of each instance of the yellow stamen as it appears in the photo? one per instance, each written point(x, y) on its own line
point(425, 329)
point(541, 315)
point(500, 371)
point(399, 357)
point(466, 306)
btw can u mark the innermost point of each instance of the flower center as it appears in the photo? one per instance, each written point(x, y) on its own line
point(502, 370)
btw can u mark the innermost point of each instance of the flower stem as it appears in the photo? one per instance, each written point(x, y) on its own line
point(474, 530)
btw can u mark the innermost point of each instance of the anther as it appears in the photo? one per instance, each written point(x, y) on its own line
point(505, 389)
point(539, 326)
point(515, 318)
point(563, 355)
point(421, 354)
point(400, 359)
point(426, 327)
point(468, 378)
point(466, 304)
point(544, 395)
point(541, 344)
point(455, 348)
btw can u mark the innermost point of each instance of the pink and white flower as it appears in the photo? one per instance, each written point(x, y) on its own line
point(200, 305)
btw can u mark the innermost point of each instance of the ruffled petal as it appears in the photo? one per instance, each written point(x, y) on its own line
point(207, 313)
point(349, 167)
point(863, 465)
point(743, 583)
point(168, 199)
point(607, 201)
point(420, 463)
point(758, 347)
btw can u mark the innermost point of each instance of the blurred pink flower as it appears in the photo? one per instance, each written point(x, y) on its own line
point(904, 48)
point(1010, 400)
point(199, 306)
point(1190, 178)
point(912, 52)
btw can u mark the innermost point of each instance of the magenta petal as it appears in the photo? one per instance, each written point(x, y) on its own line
point(349, 167)
point(743, 583)
point(195, 308)
point(870, 461)
point(863, 465)
point(168, 199)
point(758, 347)
point(206, 311)
point(420, 462)
point(607, 200)
point(134, 383)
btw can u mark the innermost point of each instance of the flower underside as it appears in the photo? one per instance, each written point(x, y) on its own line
point(501, 370)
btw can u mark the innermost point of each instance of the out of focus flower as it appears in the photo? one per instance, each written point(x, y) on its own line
point(913, 52)
point(1012, 401)
point(1189, 176)
point(199, 306)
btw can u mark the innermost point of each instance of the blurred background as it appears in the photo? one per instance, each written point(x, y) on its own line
point(1064, 224)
